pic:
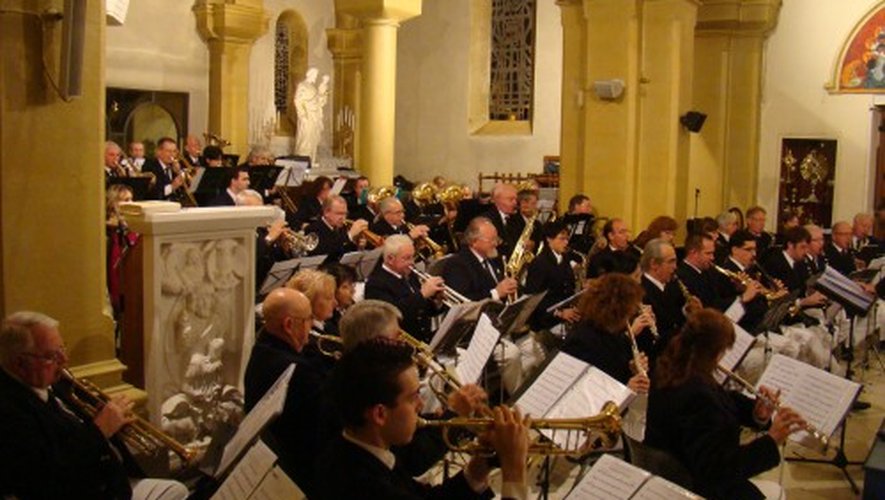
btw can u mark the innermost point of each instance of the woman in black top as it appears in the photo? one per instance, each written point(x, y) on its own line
point(697, 421)
point(602, 337)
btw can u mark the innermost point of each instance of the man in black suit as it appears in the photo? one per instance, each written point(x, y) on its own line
point(727, 222)
point(786, 267)
point(393, 220)
point(500, 214)
point(476, 271)
point(192, 150)
point(296, 435)
point(756, 217)
point(658, 265)
point(614, 255)
point(238, 181)
point(527, 207)
point(50, 448)
point(579, 221)
point(742, 256)
point(376, 390)
point(168, 176)
point(816, 258)
point(551, 271)
point(334, 239)
point(394, 283)
point(840, 253)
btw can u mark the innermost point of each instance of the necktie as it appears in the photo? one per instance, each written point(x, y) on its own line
point(488, 266)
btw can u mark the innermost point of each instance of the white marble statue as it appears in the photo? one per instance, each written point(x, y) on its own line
point(310, 100)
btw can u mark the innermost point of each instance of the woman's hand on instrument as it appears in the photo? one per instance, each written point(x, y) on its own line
point(763, 409)
point(640, 323)
point(115, 414)
point(786, 422)
point(639, 383)
point(469, 400)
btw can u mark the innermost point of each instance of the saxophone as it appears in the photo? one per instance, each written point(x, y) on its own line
point(520, 258)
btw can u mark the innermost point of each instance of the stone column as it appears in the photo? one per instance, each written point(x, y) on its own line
point(380, 20)
point(229, 29)
point(346, 46)
point(728, 87)
point(574, 88)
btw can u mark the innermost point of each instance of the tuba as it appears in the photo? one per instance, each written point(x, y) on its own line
point(297, 244)
point(424, 194)
point(450, 197)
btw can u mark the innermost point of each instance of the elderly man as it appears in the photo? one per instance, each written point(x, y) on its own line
point(840, 253)
point(756, 217)
point(614, 257)
point(192, 150)
point(394, 282)
point(393, 220)
point(50, 448)
point(727, 222)
point(503, 208)
point(334, 239)
point(135, 159)
point(658, 263)
point(815, 259)
point(112, 166)
point(296, 435)
point(168, 175)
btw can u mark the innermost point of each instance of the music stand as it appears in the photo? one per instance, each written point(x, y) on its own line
point(281, 271)
point(855, 301)
point(209, 183)
point(515, 315)
point(364, 262)
point(263, 178)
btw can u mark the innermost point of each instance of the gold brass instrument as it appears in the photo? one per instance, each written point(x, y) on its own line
point(599, 431)
point(423, 194)
point(182, 194)
point(744, 280)
point(215, 140)
point(376, 194)
point(423, 242)
point(374, 239)
point(328, 345)
point(451, 297)
point(521, 257)
point(774, 405)
point(686, 294)
point(450, 197)
point(139, 434)
point(286, 201)
point(297, 244)
point(424, 358)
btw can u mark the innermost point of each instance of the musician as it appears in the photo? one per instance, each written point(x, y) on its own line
point(600, 338)
point(112, 167)
point(319, 288)
point(658, 265)
point(579, 221)
point(51, 449)
point(259, 156)
point(862, 231)
point(345, 290)
point(311, 206)
point(742, 257)
point(168, 176)
point(728, 224)
point(527, 207)
point(375, 387)
point(333, 238)
point(354, 194)
point(238, 181)
point(756, 225)
point(816, 258)
point(393, 220)
point(783, 266)
point(476, 271)
point(295, 435)
point(119, 240)
point(394, 282)
point(212, 157)
point(368, 319)
point(617, 239)
point(267, 239)
point(663, 227)
point(694, 419)
point(500, 214)
point(840, 253)
point(192, 149)
point(552, 271)
point(135, 159)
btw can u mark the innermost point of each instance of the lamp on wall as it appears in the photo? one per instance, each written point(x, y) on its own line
point(693, 120)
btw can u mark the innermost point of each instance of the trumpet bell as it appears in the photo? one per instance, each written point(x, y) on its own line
point(424, 193)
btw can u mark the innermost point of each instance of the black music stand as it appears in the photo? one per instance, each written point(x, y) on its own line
point(264, 177)
point(855, 301)
point(210, 183)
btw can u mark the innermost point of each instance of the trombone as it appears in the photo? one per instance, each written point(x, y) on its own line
point(774, 405)
point(582, 434)
point(376, 240)
point(424, 358)
point(451, 297)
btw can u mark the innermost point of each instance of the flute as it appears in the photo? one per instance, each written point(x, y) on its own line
point(774, 405)
point(637, 359)
point(653, 327)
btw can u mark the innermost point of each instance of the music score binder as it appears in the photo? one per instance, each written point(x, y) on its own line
point(611, 478)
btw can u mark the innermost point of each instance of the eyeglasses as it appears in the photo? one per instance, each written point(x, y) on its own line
point(58, 356)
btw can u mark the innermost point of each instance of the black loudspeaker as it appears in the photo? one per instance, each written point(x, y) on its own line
point(693, 120)
point(72, 39)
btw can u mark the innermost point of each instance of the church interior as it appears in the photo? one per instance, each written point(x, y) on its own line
point(682, 108)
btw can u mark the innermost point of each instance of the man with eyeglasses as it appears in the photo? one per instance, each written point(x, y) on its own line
point(393, 221)
point(295, 436)
point(333, 237)
point(51, 448)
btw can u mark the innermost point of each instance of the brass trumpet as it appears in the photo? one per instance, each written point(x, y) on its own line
point(424, 358)
point(138, 435)
point(599, 431)
point(744, 280)
point(451, 297)
point(374, 239)
point(328, 345)
point(423, 242)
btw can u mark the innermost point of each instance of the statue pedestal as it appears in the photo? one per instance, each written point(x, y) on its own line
point(195, 325)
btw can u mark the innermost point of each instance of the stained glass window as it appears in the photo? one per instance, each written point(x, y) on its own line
point(281, 66)
point(513, 58)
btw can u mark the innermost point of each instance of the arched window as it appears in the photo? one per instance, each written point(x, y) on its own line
point(512, 59)
point(281, 67)
point(290, 65)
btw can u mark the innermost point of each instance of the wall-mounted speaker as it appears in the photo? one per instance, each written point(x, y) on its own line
point(72, 43)
point(608, 89)
point(693, 120)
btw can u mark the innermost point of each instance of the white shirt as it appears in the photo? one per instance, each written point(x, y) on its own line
point(391, 271)
point(790, 261)
point(482, 261)
point(738, 264)
point(385, 456)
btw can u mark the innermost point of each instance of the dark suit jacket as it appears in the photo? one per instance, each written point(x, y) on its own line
point(763, 242)
point(331, 242)
point(558, 280)
point(296, 436)
point(464, 273)
point(50, 454)
point(754, 310)
point(346, 471)
point(840, 261)
point(382, 228)
point(722, 249)
point(417, 311)
point(703, 286)
point(607, 260)
point(699, 424)
point(223, 199)
point(667, 306)
point(815, 266)
point(309, 211)
point(155, 167)
point(507, 233)
point(794, 278)
point(611, 353)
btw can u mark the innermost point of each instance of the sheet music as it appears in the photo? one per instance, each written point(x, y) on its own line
point(247, 475)
point(821, 398)
point(559, 375)
point(743, 342)
point(116, 11)
point(485, 338)
point(195, 180)
point(270, 405)
point(338, 186)
point(610, 478)
point(658, 488)
point(277, 485)
point(566, 300)
point(453, 315)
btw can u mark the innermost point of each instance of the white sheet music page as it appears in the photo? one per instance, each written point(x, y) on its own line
point(483, 342)
point(743, 342)
point(277, 485)
point(558, 376)
point(609, 479)
point(658, 488)
point(821, 398)
point(449, 319)
point(248, 473)
point(269, 406)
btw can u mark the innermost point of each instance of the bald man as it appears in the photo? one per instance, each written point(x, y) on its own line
point(503, 208)
point(295, 435)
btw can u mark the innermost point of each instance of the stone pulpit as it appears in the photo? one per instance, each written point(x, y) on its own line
point(189, 322)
